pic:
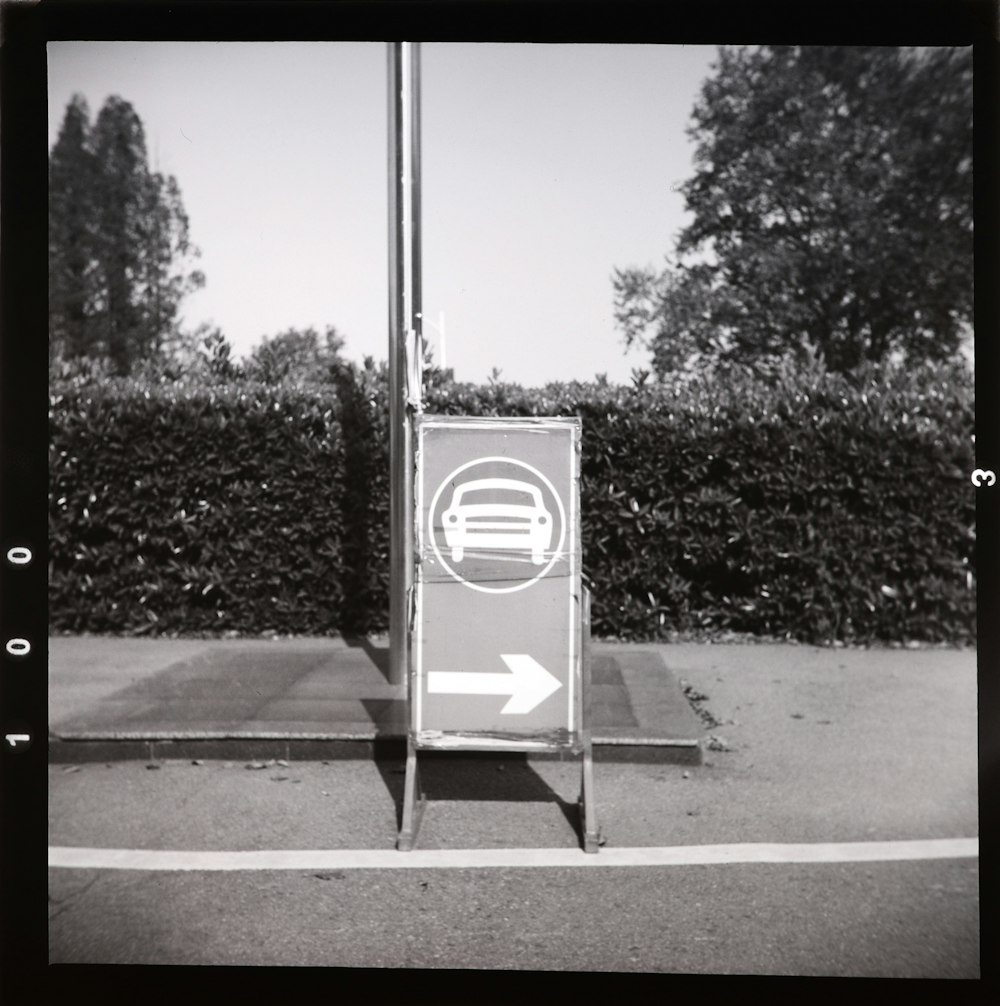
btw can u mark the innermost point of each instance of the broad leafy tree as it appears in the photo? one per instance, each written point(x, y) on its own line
point(302, 355)
point(831, 209)
point(119, 251)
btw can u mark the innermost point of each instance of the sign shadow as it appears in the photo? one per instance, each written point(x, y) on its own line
point(476, 776)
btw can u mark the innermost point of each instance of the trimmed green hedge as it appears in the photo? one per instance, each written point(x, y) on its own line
point(191, 510)
point(808, 506)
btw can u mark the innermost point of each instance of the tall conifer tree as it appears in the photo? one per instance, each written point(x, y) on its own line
point(119, 249)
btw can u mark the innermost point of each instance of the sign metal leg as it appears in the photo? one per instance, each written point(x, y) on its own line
point(413, 801)
point(588, 808)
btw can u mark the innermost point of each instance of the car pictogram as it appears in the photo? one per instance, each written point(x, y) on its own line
point(497, 515)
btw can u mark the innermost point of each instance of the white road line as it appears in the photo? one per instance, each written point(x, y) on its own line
point(67, 857)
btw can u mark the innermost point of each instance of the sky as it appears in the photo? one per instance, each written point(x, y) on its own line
point(543, 168)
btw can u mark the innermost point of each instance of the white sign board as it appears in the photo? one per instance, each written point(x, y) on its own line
point(496, 658)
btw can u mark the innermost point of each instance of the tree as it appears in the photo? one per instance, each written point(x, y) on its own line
point(297, 355)
point(71, 225)
point(118, 241)
point(832, 212)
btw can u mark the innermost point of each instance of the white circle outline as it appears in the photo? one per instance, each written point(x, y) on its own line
point(557, 554)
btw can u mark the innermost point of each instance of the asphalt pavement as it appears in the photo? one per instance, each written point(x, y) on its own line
point(864, 762)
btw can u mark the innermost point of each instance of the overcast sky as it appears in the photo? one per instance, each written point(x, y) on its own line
point(543, 168)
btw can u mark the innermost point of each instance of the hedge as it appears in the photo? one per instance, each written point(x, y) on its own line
point(808, 506)
point(193, 510)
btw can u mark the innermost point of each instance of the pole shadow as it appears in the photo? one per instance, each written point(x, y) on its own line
point(378, 655)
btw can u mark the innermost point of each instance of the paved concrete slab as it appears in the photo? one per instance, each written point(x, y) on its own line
point(127, 698)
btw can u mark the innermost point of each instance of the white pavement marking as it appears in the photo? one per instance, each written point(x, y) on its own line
point(68, 857)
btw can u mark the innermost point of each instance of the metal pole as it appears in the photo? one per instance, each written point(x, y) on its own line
point(404, 307)
point(415, 306)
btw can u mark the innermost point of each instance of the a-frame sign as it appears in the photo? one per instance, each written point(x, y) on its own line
point(499, 633)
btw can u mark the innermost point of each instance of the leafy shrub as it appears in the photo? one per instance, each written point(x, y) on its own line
point(792, 504)
point(802, 505)
point(182, 508)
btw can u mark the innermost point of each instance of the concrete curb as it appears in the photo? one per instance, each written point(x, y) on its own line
point(68, 750)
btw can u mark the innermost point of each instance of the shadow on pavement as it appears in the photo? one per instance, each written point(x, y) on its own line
point(475, 776)
point(388, 716)
point(378, 655)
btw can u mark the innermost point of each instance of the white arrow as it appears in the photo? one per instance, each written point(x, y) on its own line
point(527, 684)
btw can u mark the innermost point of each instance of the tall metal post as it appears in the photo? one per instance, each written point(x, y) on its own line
point(405, 339)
